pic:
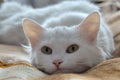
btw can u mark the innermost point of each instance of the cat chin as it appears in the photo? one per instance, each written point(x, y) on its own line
point(80, 70)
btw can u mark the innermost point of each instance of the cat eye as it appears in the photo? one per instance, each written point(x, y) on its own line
point(46, 50)
point(72, 48)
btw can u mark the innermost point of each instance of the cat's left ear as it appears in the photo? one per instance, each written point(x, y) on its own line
point(33, 31)
point(89, 28)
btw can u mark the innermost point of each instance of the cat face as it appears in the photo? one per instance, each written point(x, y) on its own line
point(65, 49)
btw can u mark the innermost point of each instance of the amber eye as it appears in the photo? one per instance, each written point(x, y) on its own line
point(72, 48)
point(46, 50)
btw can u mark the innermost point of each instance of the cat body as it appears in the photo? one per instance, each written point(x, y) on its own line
point(41, 15)
point(37, 3)
point(62, 37)
point(9, 9)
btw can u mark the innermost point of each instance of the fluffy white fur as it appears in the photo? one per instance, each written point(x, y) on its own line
point(58, 27)
point(40, 15)
point(38, 3)
point(9, 9)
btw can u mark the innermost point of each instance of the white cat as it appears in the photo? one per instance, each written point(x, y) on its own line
point(67, 37)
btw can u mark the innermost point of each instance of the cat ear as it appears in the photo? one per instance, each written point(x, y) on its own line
point(89, 28)
point(32, 31)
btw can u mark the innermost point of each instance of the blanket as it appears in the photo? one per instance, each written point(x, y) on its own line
point(14, 64)
point(18, 71)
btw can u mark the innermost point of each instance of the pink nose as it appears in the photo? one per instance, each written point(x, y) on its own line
point(57, 63)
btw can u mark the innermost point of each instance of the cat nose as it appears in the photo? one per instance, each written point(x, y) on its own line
point(57, 63)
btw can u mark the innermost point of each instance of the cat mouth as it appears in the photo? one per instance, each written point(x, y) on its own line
point(62, 71)
point(82, 70)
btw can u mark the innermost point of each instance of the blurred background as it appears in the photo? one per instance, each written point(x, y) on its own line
point(108, 7)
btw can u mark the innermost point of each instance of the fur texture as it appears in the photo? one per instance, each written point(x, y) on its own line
point(38, 3)
point(8, 24)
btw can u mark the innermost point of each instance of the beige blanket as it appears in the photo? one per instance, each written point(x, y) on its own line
point(14, 64)
point(18, 71)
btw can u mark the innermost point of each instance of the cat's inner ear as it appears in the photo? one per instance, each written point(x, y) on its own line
point(32, 30)
point(89, 28)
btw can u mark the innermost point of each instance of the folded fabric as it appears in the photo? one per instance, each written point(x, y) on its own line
point(18, 71)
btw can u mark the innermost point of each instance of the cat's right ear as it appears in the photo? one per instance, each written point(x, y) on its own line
point(32, 30)
point(89, 28)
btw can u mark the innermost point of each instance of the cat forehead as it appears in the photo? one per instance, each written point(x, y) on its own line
point(60, 31)
point(60, 34)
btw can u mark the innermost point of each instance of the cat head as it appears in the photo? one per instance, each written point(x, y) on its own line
point(63, 48)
